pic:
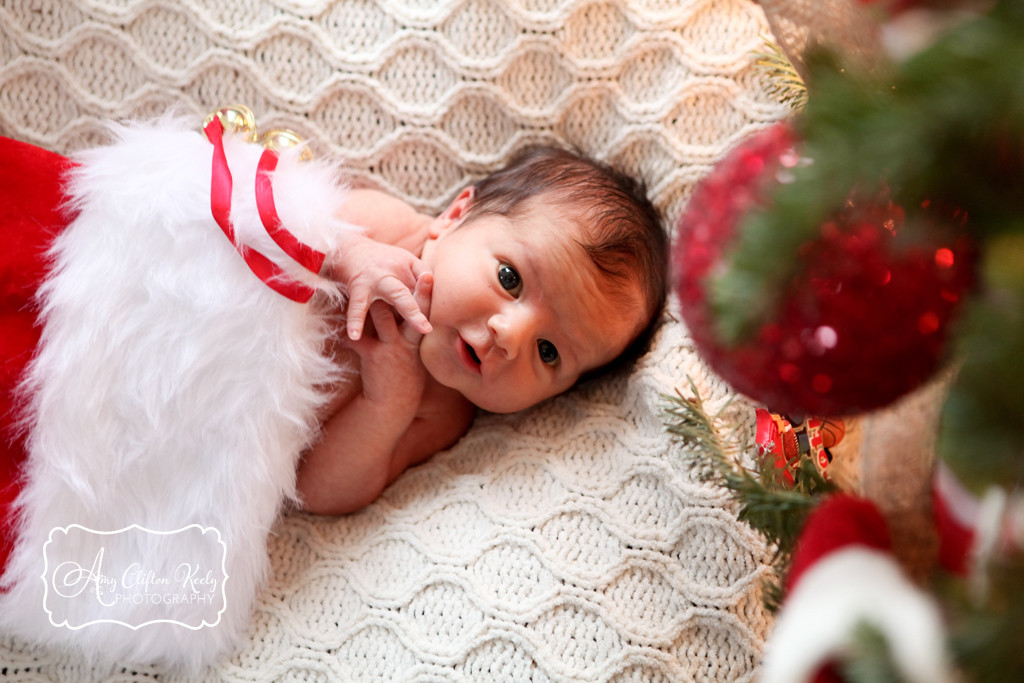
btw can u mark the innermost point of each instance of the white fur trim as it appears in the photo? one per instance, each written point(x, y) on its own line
point(849, 587)
point(171, 387)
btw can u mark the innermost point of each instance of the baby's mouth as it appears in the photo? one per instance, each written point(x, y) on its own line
point(472, 353)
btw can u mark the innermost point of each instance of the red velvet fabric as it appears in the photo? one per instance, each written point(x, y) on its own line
point(956, 538)
point(31, 214)
point(838, 522)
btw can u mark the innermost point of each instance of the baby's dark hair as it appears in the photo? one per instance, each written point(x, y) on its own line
point(619, 228)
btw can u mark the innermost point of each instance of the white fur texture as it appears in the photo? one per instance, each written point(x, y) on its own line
point(171, 386)
point(851, 586)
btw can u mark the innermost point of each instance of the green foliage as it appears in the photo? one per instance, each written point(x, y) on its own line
point(948, 124)
point(982, 429)
point(870, 658)
point(776, 510)
point(770, 506)
point(987, 639)
point(784, 82)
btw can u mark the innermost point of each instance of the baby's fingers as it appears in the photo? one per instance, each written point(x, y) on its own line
point(358, 305)
point(384, 322)
point(407, 305)
point(424, 286)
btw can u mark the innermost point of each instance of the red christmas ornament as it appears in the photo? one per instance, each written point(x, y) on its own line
point(895, 7)
point(866, 319)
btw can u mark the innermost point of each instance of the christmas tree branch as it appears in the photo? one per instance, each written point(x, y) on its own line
point(785, 83)
point(774, 509)
point(946, 125)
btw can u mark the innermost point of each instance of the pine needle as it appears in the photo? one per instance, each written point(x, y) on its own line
point(770, 507)
point(784, 82)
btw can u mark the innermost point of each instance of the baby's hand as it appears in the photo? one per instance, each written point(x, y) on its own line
point(390, 367)
point(374, 271)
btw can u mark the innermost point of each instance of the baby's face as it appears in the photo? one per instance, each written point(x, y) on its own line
point(517, 312)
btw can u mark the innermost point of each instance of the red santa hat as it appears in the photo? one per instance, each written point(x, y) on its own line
point(843, 576)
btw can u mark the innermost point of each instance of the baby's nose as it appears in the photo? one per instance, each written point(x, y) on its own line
point(511, 331)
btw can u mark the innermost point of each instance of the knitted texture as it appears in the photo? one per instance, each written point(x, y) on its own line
point(575, 541)
point(420, 97)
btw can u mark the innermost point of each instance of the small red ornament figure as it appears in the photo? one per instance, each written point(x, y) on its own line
point(866, 317)
point(782, 439)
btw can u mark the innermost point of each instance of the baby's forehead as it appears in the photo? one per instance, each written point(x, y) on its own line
point(601, 312)
point(567, 223)
point(600, 320)
point(573, 234)
point(558, 237)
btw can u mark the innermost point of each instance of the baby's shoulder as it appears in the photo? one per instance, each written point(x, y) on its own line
point(385, 218)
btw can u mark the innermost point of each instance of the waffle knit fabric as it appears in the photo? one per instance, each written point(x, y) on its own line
point(576, 541)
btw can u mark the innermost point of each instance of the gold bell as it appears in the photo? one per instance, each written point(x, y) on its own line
point(280, 139)
point(237, 119)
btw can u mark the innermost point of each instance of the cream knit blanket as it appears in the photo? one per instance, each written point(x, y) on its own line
point(573, 542)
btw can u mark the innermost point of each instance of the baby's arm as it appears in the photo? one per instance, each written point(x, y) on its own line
point(384, 428)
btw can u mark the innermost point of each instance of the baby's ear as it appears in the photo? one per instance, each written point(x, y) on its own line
point(453, 215)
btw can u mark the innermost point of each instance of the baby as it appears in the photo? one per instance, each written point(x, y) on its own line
point(546, 272)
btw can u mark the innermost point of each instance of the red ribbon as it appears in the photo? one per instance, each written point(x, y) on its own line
point(306, 256)
point(220, 205)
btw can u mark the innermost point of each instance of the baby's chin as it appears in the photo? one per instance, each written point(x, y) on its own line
point(503, 405)
point(500, 408)
point(488, 399)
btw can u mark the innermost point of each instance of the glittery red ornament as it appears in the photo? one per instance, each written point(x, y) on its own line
point(863, 322)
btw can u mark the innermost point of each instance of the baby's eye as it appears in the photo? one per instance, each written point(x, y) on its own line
point(509, 279)
point(548, 352)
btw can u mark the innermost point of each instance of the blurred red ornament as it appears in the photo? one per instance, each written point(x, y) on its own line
point(894, 7)
point(866, 318)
